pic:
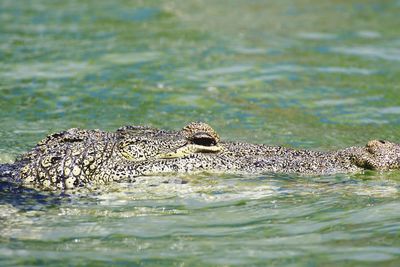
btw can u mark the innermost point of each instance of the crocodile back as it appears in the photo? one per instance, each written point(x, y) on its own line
point(66, 159)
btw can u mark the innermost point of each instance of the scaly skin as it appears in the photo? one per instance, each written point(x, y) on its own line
point(79, 158)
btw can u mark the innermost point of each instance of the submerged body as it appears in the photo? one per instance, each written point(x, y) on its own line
point(79, 158)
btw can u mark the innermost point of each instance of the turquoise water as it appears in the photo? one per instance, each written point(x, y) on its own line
point(305, 73)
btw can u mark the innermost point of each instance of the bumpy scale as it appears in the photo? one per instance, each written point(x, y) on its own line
point(78, 158)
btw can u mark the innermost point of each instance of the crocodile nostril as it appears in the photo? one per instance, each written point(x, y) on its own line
point(203, 139)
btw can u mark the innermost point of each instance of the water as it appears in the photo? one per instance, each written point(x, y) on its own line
point(305, 73)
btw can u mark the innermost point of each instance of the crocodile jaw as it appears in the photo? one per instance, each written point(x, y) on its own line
point(188, 150)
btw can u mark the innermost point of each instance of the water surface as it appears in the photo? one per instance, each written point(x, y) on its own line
point(306, 74)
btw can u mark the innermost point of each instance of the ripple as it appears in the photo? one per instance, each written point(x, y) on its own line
point(390, 54)
point(364, 254)
point(342, 70)
point(368, 34)
point(282, 69)
point(378, 213)
point(389, 110)
point(316, 36)
point(225, 70)
point(44, 70)
point(336, 102)
point(130, 58)
point(250, 50)
point(323, 69)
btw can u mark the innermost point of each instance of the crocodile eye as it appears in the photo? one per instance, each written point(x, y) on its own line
point(200, 133)
point(203, 139)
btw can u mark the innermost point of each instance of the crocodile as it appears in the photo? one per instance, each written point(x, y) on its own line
point(78, 158)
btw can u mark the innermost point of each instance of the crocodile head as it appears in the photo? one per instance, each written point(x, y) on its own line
point(137, 143)
point(77, 157)
point(378, 155)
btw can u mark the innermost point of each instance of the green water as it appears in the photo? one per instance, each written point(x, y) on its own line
point(305, 73)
